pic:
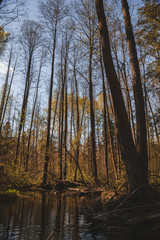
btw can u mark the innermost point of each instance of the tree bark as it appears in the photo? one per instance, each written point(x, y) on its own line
point(32, 117)
point(136, 175)
point(24, 106)
point(92, 114)
point(65, 130)
point(45, 172)
point(141, 136)
point(78, 123)
point(104, 117)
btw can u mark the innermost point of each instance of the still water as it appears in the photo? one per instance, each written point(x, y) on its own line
point(40, 214)
point(35, 217)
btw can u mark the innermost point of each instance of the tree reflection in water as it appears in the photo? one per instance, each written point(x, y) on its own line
point(39, 215)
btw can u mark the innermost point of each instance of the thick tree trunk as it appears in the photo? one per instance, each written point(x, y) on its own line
point(141, 141)
point(136, 175)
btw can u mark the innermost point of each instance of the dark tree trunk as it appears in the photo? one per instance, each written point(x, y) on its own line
point(111, 135)
point(78, 124)
point(65, 131)
point(136, 175)
point(32, 117)
point(104, 117)
point(141, 141)
point(61, 120)
point(71, 122)
point(24, 106)
point(92, 114)
point(45, 172)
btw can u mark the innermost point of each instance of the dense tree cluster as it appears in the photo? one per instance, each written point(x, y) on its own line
point(100, 74)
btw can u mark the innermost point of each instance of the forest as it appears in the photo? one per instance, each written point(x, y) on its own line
point(80, 110)
point(79, 98)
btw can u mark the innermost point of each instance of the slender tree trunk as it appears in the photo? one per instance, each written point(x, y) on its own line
point(141, 141)
point(37, 135)
point(60, 135)
point(8, 94)
point(32, 117)
point(5, 91)
point(61, 119)
point(24, 106)
point(22, 156)
point(78, 124)
point(55, 113)
point(92, 114)
point(104, 117)
point(45, 172)
point(111, 135)
point(66, 103)
point(71, 125)
point(65, 131)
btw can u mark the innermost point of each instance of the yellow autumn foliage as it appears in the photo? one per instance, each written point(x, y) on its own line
point(3, 35)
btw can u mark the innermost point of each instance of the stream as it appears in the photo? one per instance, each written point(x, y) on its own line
point(41, 214)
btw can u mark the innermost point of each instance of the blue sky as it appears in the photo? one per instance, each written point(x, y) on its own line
point(32, 13)
point(32, 8)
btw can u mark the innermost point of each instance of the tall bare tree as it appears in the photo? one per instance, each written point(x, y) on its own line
point(31, 40)
point(52, 11)
point(4, 94)
point(86, 23)
point(33, 112)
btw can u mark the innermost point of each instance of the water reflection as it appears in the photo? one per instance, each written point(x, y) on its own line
point(36, 218)
point(62, 217)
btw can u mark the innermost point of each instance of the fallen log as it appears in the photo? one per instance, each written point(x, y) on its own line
point(83, 191)
point(65, 184)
